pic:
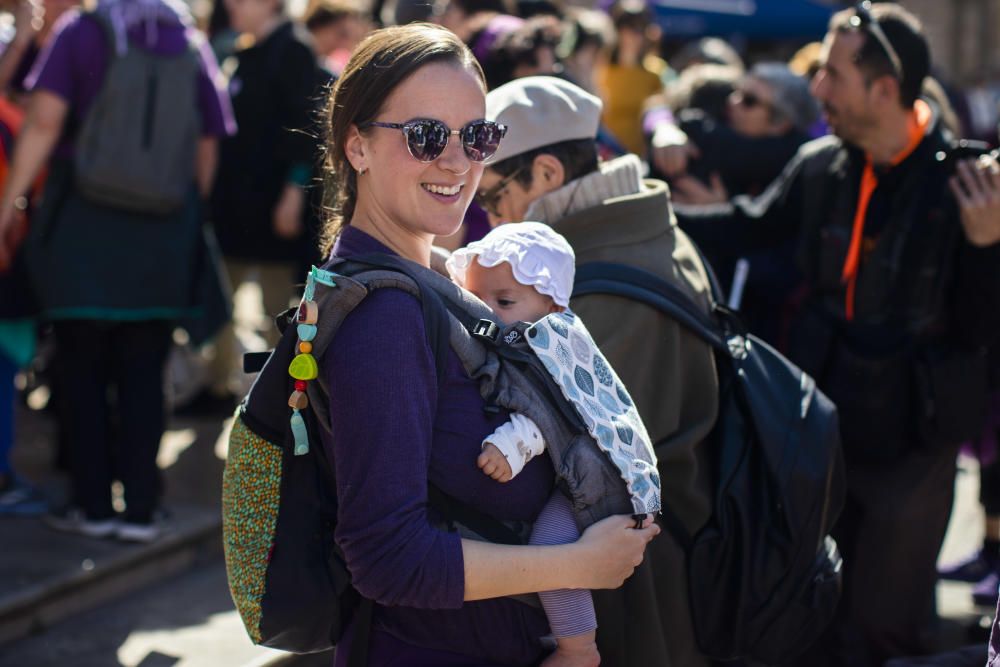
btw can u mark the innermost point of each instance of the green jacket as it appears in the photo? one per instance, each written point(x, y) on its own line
point(671, 376)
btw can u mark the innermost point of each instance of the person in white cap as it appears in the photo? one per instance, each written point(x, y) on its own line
point(547, 170)
point(524, 272)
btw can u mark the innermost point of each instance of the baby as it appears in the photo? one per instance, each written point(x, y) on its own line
point(524, 271)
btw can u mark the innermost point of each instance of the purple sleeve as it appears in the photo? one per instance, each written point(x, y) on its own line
point(383, 387)
point(54, 69)
point(217, 119)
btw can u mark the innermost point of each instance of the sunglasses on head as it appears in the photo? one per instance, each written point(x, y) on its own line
point(427, 138)
point(489, 199)
point(863, 19)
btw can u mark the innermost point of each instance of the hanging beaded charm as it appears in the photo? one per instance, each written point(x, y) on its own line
point(304, 367)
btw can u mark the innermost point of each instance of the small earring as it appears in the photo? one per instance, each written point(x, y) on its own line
point(362, 172)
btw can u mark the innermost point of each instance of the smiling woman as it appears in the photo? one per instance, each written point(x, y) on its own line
point(405, 149)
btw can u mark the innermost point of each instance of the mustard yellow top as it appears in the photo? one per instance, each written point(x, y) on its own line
point(624, 90)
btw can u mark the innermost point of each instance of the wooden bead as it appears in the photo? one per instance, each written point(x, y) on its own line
point(303, 367)
point(298, 401)
point(305, 347)
point(308, 312)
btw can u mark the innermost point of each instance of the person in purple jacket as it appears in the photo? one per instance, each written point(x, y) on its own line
point(112, 281)
point(406, 140)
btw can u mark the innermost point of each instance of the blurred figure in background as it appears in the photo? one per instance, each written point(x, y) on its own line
point(583, 48)
point(132, 253)
point(462, 17)
point(634, 72)
point(336, 27)
point(259, 204)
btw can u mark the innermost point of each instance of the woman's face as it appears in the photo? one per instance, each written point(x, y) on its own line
point(422, 198)
point(751, 109)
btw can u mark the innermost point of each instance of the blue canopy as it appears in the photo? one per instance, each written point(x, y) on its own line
point(767, 19)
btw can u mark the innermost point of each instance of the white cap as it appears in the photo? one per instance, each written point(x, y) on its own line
point(540, 111)
point(539, 257)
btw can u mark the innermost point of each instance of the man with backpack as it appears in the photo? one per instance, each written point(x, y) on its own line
point(899, 244)
point(547, 170)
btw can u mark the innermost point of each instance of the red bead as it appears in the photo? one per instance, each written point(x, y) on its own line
point(300, 385)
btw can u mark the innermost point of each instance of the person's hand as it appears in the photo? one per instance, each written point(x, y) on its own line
point(976, 186)
point(689, 191)
point(611, 549)
point(671, 150)
point(287, 220)
point(494, 464)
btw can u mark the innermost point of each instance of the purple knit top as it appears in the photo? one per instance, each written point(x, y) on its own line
point(395, 428)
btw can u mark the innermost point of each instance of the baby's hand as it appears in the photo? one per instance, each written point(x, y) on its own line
point(494, 464)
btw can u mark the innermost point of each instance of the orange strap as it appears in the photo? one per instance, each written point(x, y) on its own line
point(917, 125)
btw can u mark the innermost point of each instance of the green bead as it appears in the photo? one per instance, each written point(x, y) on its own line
point(303, 367)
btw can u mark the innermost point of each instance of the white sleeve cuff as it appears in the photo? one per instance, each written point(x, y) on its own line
point(519, 440)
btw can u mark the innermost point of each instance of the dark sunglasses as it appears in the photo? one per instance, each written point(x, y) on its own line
point(427, 138)
point(489, 199)
point(863, 19)
point(747, 99)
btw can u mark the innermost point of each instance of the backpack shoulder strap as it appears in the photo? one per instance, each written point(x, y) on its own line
point(648, 288)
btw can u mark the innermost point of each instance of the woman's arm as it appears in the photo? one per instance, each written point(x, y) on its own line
point(604, 557)
point(39, 134)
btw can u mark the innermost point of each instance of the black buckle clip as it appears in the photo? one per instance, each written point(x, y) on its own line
point(486, 329)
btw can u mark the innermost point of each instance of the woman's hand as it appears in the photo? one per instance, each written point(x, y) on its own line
point(288, 213)
point(611, 549)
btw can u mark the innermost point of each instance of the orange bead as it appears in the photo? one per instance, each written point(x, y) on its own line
point(305, 347)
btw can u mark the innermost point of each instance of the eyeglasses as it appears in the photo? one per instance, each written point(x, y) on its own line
point(489, 199)
point(427, 138)
point(748, 99)
point(863, 19)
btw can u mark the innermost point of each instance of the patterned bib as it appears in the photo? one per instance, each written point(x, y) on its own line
point(593, 388)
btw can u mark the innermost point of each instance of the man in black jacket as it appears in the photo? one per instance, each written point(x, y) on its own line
point(899, 243)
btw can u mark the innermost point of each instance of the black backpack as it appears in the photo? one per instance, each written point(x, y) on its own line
point(765, 576)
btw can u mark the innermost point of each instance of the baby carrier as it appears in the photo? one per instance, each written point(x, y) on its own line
point(286, 575)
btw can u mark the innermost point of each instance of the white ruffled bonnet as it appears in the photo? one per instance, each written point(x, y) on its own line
point(539, 256)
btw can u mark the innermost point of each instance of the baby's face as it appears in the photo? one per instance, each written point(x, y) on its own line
point(509, 299)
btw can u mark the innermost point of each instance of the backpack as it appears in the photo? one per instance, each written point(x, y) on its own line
point(287, 577)
point(764, 574)
point(136, 147)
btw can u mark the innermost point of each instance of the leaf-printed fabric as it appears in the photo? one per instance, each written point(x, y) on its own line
point(593, 388)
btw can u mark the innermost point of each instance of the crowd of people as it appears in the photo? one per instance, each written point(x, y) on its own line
point(830, 195)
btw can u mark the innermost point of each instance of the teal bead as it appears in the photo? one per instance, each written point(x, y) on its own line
point(307, 332)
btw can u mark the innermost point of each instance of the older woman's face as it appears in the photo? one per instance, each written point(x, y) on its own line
point(425, 198)
point(751, 109)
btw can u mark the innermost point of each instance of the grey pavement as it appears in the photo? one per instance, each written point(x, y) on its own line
point(72, 600)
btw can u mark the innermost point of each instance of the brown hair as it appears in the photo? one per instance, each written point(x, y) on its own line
point(906, 36)
point(377, 67)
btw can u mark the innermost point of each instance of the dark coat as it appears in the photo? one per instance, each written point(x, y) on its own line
point(924, 294)
point(276, 89)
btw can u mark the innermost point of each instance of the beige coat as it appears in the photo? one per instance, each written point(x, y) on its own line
point(671, 376)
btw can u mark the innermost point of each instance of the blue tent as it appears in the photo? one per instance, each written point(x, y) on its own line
point(767, 19)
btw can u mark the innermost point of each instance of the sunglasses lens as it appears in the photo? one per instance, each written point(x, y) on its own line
point(426, 139)
point(748, 100)
point(481, 139)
